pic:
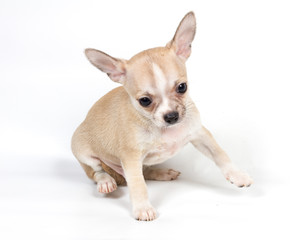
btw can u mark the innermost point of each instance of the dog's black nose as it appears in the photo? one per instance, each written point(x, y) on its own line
point(171, 117)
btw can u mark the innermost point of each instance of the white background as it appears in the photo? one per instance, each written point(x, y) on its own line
point(248, 76)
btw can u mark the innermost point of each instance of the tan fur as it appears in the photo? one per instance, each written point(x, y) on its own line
point(120, 180)
point(119, 136)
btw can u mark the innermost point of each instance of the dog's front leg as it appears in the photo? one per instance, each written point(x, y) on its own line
point(142, 209)
point(205, 143)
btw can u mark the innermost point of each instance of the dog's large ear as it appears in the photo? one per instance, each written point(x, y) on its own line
point(184, 35)
point(115, 68)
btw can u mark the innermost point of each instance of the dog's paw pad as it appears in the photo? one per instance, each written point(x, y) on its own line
point(239, 178)
point(147, 213)
point(107, 185)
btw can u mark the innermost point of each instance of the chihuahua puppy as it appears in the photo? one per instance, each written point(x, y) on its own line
point(145, 122)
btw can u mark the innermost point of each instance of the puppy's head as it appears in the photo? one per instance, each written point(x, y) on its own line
point(156, 78)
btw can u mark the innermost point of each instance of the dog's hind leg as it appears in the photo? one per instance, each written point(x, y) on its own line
point(94, 170)
point(159, 174)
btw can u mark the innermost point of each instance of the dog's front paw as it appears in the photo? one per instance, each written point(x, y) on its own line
point(145, 213)
point(238, 177)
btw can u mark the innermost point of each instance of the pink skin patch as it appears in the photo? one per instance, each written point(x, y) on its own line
point(115, 167)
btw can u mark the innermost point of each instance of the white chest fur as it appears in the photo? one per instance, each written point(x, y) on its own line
point(167, 143)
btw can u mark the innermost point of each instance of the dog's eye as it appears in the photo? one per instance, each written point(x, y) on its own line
point(145, 101)
point(181, 88)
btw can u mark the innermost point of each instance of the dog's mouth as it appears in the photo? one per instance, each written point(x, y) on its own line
point(168, 125)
